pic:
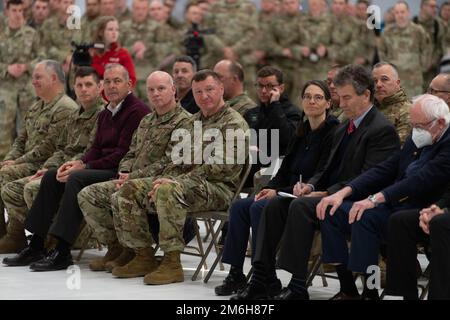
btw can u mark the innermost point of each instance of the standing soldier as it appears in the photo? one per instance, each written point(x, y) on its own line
point(56, 35)
point(436, 30)
point(367, 39)
point(286, 45)
point(136, 35)
point(71, 145)
point(19, 46)
point(39, 13)
point(89, 20)
point(316, 23)
point(122, 11)
point(344, 40)
point(43, 124)
point(234, 23)
point(407, 46)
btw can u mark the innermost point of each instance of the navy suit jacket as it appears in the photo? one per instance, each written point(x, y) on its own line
point(374, 141)
point(420, 188)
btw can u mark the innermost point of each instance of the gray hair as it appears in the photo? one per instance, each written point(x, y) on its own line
point(358, 77)
point(433, 107)
point(384, 63)
point(56, 68)
point(110, 66)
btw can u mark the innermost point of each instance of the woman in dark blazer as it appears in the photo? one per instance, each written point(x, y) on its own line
point(306, 154)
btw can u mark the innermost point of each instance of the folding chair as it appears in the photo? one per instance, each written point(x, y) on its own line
point(211, 217)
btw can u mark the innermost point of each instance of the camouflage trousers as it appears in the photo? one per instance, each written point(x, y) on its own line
point(18, 196)
point(173, 201)
point(14, 103)
point(11, 173)
point(95, 203)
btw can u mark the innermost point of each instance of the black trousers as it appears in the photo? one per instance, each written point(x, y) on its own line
point(288, 224)
point(60, 199)
point(403, 235)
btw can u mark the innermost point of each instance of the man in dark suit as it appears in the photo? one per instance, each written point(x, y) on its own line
point(412, 178)
point(361, 142)
point(59, 187)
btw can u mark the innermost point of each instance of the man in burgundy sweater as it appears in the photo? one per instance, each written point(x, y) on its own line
point(59, 188)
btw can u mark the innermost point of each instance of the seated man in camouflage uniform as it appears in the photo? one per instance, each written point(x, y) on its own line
point(148, 155)
point(71, 145)
point(184, 186)
point(391, 99)
point(42, 125)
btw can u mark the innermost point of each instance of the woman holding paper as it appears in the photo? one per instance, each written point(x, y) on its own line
point(307, 153)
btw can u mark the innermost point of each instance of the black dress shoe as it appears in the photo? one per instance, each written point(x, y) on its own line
point(252, 292)
point(55, 260)
point(274, 288)
point(231, 284)
point(24, 257)
point(288, 294)
point(343, 296)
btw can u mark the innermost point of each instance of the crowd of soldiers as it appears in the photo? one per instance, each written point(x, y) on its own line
point(35, 51)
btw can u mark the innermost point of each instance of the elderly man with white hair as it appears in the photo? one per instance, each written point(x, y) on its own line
point(413, 178)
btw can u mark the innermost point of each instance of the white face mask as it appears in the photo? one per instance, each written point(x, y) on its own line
point(421, 138)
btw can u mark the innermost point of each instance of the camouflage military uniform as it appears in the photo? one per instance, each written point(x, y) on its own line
point(318, 29)
point(436, 31)
point(337, 112)
point(131, 32)
point(16, 46)
point(287, 33)
point(242, 103)
point(234, 26)
point(76, 135)
point(197, 187)
point(56, 39)
point(126, 15)
point(409, 49)
point(38, 139)
point(344, 40)
point(396, 109)
point(149, 153)
point(88, 28)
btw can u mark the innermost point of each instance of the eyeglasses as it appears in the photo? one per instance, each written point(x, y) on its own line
point(422, 125)
point(430, 90)
point(316, 97)
point(269, 86)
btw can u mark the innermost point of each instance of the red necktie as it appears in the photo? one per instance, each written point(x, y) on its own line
point(351, 127)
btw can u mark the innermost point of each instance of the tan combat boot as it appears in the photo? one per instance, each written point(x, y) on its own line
point(126, 256)
point(114, 250)
point(144, 262)
point(2, 222)
point(14, 241)
point(169, 271)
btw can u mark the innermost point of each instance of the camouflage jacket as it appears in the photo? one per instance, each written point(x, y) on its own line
point(151, 147)
point(202, 154)
point(18, 46)
point(76, 136)
point(396, 109)
point(408, 48)
point(242, 103)
point(43, 124)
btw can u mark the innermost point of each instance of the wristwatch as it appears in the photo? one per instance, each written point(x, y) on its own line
point(372, 198)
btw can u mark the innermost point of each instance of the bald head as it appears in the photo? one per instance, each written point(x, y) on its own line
point(232, 75)
point(440, 87)
point(161, 92)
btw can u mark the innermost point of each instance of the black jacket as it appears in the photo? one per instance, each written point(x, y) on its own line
point(374, 141)
point(281, 115)
point(305, 155)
